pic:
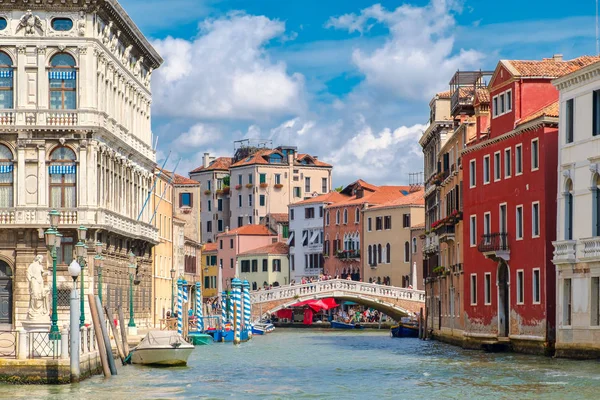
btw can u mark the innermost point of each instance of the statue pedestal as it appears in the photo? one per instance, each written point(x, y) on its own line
point(38, 340)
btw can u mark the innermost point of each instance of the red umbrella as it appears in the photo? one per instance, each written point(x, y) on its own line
point(318, 305)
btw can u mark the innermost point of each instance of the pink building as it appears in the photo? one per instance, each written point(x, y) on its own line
point(231, 243)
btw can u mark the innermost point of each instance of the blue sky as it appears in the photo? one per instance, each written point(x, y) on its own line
point(349, 81)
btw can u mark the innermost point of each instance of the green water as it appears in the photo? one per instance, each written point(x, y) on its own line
point(322, 364)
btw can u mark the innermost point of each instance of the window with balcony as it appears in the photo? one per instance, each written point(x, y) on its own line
point(569, 121)
point(6, 177)
point(569, 210)
point(262, 178)
point(250, 179)
point(63, 82)
point(240, 179)
point(63, 178)
point(487, 289)
point(535, 157)
point(6, 82)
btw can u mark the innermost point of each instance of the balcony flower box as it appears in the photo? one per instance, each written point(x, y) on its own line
point(207, 192)
point(226, 190)
point(439, 271)
point(278, 186)
point(238, 187)
point(264, 185)
point(249, 185)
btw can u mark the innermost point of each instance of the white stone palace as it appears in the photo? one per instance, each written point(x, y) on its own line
point(75, 136)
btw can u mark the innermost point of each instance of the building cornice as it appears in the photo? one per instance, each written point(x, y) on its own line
point(432, 129)
point(529, 126)
point(583, 75)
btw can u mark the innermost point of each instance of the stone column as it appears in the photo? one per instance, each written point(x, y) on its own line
point(20, 174)
point(83, 183)
point(43, 83)
point(83, 80)
point(42, 184)
point(21, 78)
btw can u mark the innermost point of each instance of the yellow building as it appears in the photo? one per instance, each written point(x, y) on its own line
point(265, 266)
point(210, 270)
point(386, 235)
point(162, 254)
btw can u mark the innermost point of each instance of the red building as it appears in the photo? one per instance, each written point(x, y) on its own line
point(509, 179)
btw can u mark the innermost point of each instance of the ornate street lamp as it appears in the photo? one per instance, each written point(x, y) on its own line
point(99, 264)
point(172, 290)
point(132, 268)
point(81, 250)
point(53, 242)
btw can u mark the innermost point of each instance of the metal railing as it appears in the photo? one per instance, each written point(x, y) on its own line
point(494, 242)
point(40, 345)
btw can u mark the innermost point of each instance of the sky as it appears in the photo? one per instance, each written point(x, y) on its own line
point(346, 80)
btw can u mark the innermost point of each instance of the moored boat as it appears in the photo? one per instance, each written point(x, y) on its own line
point(261, 328)
point(343, 325)
point(405, 328)
point(199, 338)
point(166, 348)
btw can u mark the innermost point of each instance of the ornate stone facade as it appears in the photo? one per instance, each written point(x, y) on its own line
point(75, 135)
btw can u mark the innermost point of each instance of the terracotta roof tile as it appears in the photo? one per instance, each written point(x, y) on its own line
point(259, 158)
point(316, 162)
point(411, 199)
point(209, 247)
point(549, 68)
point(444, 95)
point(483, 95)
point(278, 248)
point(331, 197)
point(418, 226)
point(250, 230)
point(279, 217)
point(550, 110)
point(182, 180)
point(219, 164)
point(378, 195)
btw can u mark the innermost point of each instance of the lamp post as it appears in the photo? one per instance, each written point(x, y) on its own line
point(172, 290)
point(99, 264)
point(74, 271)
point(132, 268)
point(53, 242)
point(81, 250)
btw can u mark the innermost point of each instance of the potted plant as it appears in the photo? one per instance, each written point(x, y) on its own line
point(249, 185)
point(238, 187)
point(219, 192)
point(207, 192)
point(278, 186)
point(264, 185)
point(226, 190)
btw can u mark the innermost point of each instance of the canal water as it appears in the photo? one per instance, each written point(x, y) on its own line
point(325, 364)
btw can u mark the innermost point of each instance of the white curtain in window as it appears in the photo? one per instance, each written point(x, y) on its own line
point(6, 192)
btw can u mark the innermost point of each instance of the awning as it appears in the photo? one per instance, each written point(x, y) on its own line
point(318, 305)
point(6, 168)
point(314, 237)
point(62, 169)
point(290, 239)
point(62, 75)
point(6, 73)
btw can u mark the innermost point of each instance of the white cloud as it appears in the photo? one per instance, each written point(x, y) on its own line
point(226, 73)
point(418, 58)
point(197, 136)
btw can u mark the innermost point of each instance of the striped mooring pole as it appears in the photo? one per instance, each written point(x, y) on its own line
point(247, 309)
point(179, 306)
point(237, 299)
point(223, 310)
point(230, 316)
point(199, 316)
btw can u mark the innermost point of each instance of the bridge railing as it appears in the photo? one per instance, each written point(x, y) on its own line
point(343, 285)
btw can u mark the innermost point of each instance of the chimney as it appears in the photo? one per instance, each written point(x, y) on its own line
point(206, 160)
point(557, 57)
point(226, 229)
point(316, 157)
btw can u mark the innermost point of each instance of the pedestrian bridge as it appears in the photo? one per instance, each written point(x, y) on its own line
point(393, 301)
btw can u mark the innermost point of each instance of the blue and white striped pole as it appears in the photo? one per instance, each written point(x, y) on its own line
point(247, 309)
point(179, 307)
point(223, 310)
point(230, 316)
point(237, 299)
point(199, 315)
point(186, 301)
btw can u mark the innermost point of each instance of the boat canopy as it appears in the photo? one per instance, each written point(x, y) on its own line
point(155, 339)
point(318, 305)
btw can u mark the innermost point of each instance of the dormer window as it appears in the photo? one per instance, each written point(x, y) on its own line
point(62, 24)
point(502, 103)
point(3, 23)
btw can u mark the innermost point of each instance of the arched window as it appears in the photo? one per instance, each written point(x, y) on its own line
point(357, 216)
point(379, 255)
point(63, 178)
point(327, 218)
point(337, 217)
point(388, 253)
point(63, 82)
point(6, 82)
point(370, 256)
point(6, 177)
point(345, 215)
point(596, 205)
point(406, 252)
point(569, 210)
point(414, 245)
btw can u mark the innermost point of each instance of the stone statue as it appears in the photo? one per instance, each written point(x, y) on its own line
point(30, 22)
point(106, 33)
point(114, 43)
point(126, 53)
point(148, 76)
point(38, 292)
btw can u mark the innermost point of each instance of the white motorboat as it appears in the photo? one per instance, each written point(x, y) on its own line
point(162, 348)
